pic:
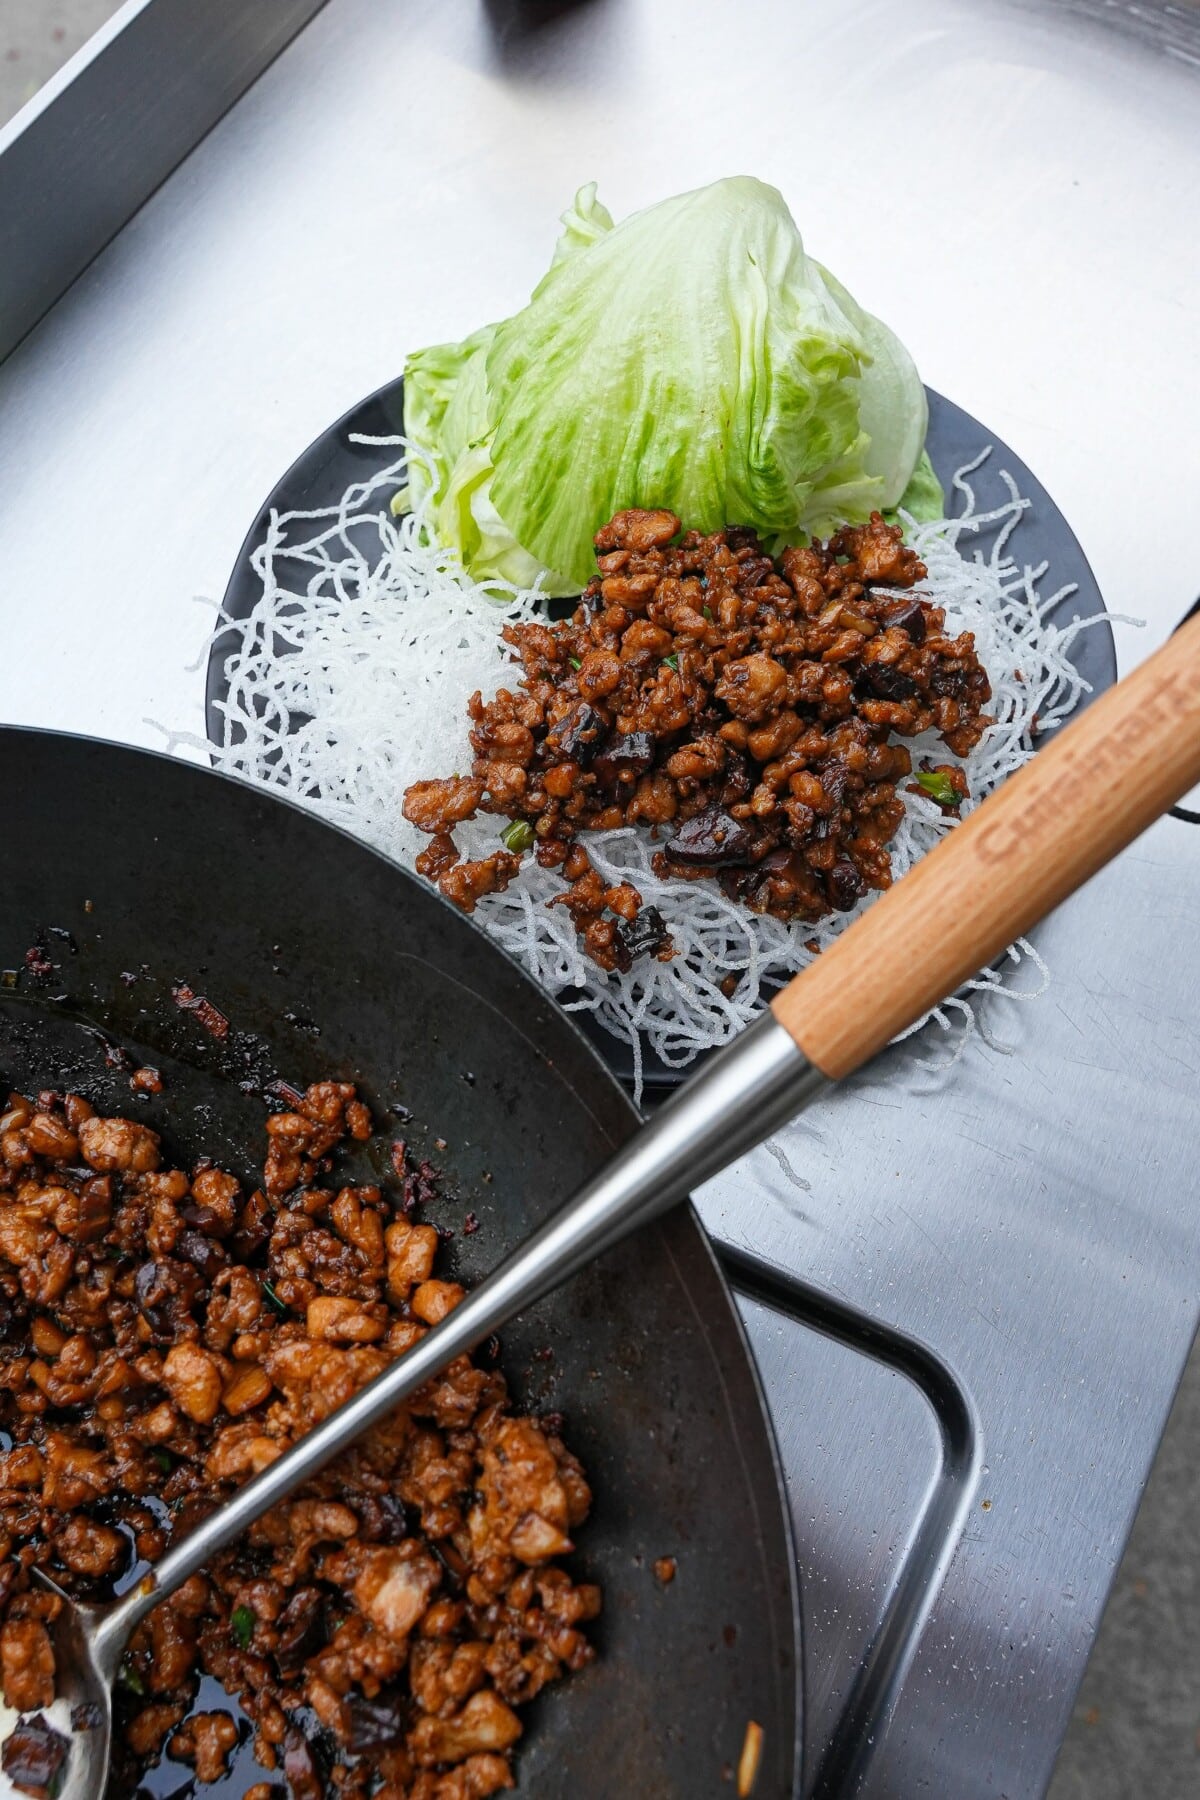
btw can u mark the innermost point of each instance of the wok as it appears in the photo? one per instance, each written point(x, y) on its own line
point(135, 873)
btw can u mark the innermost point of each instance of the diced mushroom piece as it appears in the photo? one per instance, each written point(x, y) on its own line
point(299, 1765)
point(710, 838)
point(33, 1756)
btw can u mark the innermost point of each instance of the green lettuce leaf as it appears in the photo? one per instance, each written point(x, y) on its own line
point(892, 408)
point(445, 419)
point(924, 498)
point(584, 221)
point(692, 357)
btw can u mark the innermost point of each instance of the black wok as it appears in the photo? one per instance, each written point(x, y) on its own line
point(133, 873)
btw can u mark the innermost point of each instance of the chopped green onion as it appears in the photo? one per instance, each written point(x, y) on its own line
point(273, 1297)
point(708, 614)
point(672, 662)
point(129, 1677)
point(518, 836)
point(939, 787)
point(574, 662)
point(243, 1623)
point(163, 1459)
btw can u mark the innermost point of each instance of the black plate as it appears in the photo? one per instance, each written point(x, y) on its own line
point(328, 467)
point(331, 961)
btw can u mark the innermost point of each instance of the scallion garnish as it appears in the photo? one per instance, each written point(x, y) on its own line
point(242, 1620)
point(574, 662)
point(130, 1678)
point(672, 662)
point(939, 787)
point(273, 1297)
point(518, 836)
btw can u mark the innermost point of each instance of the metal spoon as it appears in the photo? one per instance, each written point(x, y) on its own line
point(1084, 797)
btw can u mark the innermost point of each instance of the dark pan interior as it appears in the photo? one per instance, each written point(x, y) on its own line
point(330, 961)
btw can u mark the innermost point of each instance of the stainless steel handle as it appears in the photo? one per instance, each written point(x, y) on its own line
point(745, 1093)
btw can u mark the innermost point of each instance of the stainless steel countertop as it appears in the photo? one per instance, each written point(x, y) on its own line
point(1015, 193)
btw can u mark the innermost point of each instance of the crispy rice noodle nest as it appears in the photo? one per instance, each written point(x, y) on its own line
point(349, 680)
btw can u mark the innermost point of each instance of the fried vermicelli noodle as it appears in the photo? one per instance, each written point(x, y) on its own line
point(349, 680)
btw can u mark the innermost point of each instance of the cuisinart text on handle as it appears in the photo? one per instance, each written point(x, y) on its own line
point(1082, 769)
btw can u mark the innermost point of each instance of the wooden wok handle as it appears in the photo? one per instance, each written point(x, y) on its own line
point(1040, 836)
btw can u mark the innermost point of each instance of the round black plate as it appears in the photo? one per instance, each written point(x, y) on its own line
point(328, 467)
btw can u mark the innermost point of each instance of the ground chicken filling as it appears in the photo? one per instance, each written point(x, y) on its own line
point(166, 1335)
point(742, 709)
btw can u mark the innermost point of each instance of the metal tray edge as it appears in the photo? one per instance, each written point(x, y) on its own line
point(87, 151)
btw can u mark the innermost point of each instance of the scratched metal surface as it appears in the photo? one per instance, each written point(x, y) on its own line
point(1008, 190)
point(1171, 27)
